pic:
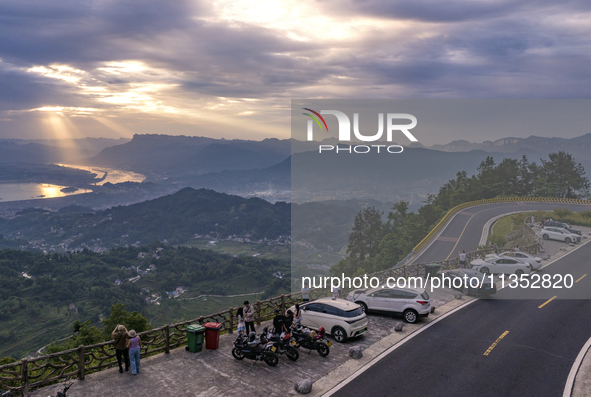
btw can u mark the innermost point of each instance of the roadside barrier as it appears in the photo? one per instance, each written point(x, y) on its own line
point(460, 207)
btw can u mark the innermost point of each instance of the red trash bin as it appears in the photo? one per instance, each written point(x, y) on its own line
point(212, 335)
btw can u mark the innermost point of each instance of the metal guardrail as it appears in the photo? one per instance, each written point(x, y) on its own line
point(460, 207)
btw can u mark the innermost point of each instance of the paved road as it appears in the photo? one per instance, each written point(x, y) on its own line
point(532, 359)
point(465, 230)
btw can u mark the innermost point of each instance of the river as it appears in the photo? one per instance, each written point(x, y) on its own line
point(113, 175)
point(29, 190)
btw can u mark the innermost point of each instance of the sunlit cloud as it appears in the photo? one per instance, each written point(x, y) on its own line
point(61, 72)
point(230, 67)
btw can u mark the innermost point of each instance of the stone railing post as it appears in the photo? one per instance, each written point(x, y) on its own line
point(25, 376)
point(282, 305)
point(258, 312)
point(231, 325)
point(81, 362)
point(167, 339)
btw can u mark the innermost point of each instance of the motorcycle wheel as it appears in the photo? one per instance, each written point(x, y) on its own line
point(323, 349)
point(292, 353)
point(237, 353)
point(271, 359)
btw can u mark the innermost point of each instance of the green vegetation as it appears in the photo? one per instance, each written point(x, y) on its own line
point(13, 243)
point(175, 218)
point(375, 245)
point(509, 232)
point(267, 250)
point(87, 280)
point(87, 334)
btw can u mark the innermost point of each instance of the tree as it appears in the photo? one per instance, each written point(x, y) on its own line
point(561, 176)
point(119, 315)
point(364, 238)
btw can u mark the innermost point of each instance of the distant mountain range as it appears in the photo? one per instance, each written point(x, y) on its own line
point(265, 168)
point(167, 156)
point(91, 145)
point(580, 146)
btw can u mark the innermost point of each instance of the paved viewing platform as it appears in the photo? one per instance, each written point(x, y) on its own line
point(217, 373)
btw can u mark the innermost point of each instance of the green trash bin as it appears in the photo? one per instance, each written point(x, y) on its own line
point(195, 334)
point(431, 269)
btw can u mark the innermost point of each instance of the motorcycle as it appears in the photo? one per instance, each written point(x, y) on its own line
point(248, 347)
point(65, 390)
point(281, 342)
point(311, 340)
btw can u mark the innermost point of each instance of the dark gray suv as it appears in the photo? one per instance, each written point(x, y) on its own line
point(562, 225)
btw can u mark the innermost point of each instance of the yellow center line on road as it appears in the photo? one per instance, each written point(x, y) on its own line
point(580, 278)
point(548, 301)
point(486, 353)
point(461, 234)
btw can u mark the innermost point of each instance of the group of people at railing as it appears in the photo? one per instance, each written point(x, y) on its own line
point(127, 348)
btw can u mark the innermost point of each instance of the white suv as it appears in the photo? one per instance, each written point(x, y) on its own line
point(340, 318)
point(556, 233)
point(412, 303)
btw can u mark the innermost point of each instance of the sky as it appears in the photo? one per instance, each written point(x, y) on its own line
point(221, 68)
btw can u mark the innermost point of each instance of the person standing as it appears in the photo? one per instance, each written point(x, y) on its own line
point(463, 258)
point(288, 321)
point(133, 343)
point(305, 293)
point(278, 322)
point(335, 292)
point(249, 317)
point(298, 315)
point(240, 317)
point(120, 336)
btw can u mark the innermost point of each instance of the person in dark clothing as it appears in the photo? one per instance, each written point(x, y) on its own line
point(278, 322)
point(288, 321)
point(121, 352)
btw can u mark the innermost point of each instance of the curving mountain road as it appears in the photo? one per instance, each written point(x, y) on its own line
point(496, 347)
point(465, 229)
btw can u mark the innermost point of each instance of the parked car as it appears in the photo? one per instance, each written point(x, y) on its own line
point(340, 318)
point(562, 225)
point(501, 265)
point(411, 303)
point(473, 282)
point(556, 233)
point(534, 261)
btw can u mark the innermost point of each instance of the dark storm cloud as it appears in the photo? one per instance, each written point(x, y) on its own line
point(447, 11)
point(406, 48)
point(43, 32)
point(19, 90)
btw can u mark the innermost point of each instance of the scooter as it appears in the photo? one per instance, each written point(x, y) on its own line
point(303, 337)
point(248, 347)
point(281, 342)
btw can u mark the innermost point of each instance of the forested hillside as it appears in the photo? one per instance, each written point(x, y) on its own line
point(38, 289)
point(376, 245)
point(175, 218)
